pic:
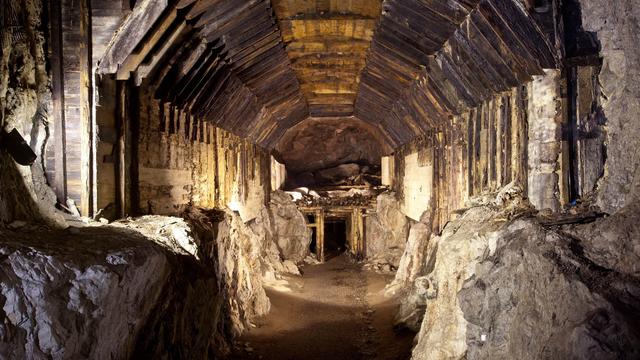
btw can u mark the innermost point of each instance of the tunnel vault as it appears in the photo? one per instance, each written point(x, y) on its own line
point(210, 78)
point(257, 68)
point(406, 69)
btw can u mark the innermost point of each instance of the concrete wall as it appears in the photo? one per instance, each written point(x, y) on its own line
point(172, 164)
point(386, 169)
point(183, 161)
point(278, 174)
point(417, 183)
point(544, 146)
point(482, 151)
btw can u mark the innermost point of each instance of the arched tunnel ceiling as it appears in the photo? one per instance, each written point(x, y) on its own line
point(327, 42)
point(259, 67)
point(221, 61)
point(430, 59)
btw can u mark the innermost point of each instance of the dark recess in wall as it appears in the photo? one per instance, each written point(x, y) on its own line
point(578, 42)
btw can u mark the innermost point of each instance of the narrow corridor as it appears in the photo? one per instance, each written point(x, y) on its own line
point(336, 310)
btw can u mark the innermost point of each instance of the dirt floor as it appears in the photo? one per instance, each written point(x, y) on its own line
point(334, 311)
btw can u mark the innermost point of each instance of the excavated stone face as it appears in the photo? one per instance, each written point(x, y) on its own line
point(443, 331)
point(495, 286)
point(238, 266)
point(127, 289)
point(25, 101)
point(412, 288)
point(612, 242)
point(106, 292)
point(291, 233)
point(533, 295)
point(317, 144)
point(386, 231)
point(616, 27)
point(245, 255)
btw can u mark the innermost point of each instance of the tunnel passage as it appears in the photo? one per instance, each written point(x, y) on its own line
point(335, 230)
point(222, 150)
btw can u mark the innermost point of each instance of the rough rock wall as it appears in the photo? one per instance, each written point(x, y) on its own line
point(617, 26)
point(386, 231)
point(290, 230)
point(246, 254)
point(408, 283)
point(107, 292)
point(155, 286)
point(500, 284)
point(239, 268)
point(25, 99)
point(534, 295)
point(342, 140)
point(463, 241)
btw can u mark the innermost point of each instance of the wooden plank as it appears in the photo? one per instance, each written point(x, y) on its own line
point(57, 95)
point(87, 176)
point(134, 29)
point(134, 59)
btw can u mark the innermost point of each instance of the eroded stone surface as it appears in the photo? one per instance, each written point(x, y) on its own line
point(463, 241)
point(344, 140)
point(104, 292)
point(616, 28)
point(25, 105)
point(408, 284)
point(244, 256)
point(534, 296)
point(127, 289)
point(291, 233)
point(504, 286)
point(386, 231)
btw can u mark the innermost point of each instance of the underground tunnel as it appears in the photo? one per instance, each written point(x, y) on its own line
point(319, 179)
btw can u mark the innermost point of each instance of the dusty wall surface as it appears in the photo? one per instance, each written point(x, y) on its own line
point(417, 183)
point(25, 98)
point(617, 26)
point(171, 162)
point(386, 231)
point(544, 146)
point(183, 161)
point(482, 151)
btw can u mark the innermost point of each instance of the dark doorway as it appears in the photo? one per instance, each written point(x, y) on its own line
point(311, 219)
point(335, 237)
